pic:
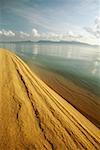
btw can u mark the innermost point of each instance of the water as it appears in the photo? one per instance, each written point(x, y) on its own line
point(80, 63)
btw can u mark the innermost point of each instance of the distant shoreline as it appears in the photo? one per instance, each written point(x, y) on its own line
point(52, 42)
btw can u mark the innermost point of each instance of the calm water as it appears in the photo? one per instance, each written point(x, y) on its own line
point(79, 63)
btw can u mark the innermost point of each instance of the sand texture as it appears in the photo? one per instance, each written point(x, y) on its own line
point(34, 117)
point(86, 102)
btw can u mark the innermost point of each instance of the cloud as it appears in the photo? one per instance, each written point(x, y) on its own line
point(35, 33)
point(71, 34)
point(95, 30)
point(23, 34)
point(8, 33)
point(0, 32)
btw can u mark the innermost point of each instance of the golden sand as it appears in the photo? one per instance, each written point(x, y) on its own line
point(83, 100)
point(34, 117)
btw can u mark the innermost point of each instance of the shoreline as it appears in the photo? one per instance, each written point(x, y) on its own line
point(71, 92)
point(33, 116)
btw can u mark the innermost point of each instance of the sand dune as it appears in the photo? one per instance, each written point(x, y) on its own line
point(34, 117)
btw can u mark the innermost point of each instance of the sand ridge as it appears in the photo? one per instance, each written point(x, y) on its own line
point(34, 117)
point(83, 100)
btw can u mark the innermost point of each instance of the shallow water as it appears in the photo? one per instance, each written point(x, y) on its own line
point(80, 63)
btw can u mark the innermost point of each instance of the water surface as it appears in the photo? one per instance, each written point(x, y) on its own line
point(80, 63)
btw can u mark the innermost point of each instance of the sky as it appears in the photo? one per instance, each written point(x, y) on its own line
point(34, 20)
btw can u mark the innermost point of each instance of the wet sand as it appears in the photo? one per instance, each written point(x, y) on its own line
point(83, 100)
point(35, 117)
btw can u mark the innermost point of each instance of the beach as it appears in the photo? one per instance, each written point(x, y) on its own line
point(36, 116)
point(82, 99)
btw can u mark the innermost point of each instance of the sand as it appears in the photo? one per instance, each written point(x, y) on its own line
point(34, 117)
point(82, 99)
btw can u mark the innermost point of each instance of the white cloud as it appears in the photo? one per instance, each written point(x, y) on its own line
point(35, 33)
point(11, 33)
point(8, 33)
point(73, 35)
point(59, 36)
point(0, 32)
point(24, 34)
point(97, 20)
point(50, 36)
point(95, 30)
